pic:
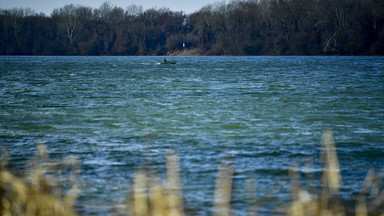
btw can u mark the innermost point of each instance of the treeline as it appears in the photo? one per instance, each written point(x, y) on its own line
point(251, 27)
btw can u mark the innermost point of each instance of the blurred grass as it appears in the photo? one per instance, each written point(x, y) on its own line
point(40, 192)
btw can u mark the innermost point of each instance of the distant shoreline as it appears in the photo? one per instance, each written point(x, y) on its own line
point(238, 28)
point(186, 52)
point(194, 52)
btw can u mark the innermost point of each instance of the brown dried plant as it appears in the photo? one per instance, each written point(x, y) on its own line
point(38, 193)
point(328, 202)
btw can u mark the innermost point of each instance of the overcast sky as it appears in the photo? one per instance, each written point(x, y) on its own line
point(47, 6)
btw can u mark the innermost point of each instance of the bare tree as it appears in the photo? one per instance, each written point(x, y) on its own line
point(71, 19)
point(134, 10)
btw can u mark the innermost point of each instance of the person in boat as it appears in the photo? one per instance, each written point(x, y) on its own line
point(165, 61)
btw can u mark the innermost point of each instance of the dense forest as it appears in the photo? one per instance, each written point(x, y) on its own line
point(248, 27)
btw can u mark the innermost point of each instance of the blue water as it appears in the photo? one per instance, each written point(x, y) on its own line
point(117, 114)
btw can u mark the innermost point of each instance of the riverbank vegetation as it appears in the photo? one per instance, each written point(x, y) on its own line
point(249, 27)
point(47, 190)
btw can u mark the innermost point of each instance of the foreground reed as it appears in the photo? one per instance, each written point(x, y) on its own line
point(328, 202)
point(39, 193)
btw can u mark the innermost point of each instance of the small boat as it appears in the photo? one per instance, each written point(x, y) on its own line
point(168, 62)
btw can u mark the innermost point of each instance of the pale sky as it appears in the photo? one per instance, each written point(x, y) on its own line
point(47, 6)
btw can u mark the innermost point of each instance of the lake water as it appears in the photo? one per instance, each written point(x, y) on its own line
point(117, 114)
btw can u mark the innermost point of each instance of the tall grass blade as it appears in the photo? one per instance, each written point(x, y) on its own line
point(223, 190)
point(175, 201)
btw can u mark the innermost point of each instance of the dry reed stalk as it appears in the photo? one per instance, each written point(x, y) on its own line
point(361, 206)
point(140, 202)
point(175, 201)
point(372, 190)
point(151, 197)
point(157, 202)
point(331, 176)
point(329, 203)
point(223, 191)
point(36, 195)
point(39, 194)
point(303, 203)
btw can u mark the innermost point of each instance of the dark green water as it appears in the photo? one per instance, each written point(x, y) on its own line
point(120, 113)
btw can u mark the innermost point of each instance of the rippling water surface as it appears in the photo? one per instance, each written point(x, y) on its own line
point(267, 113)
